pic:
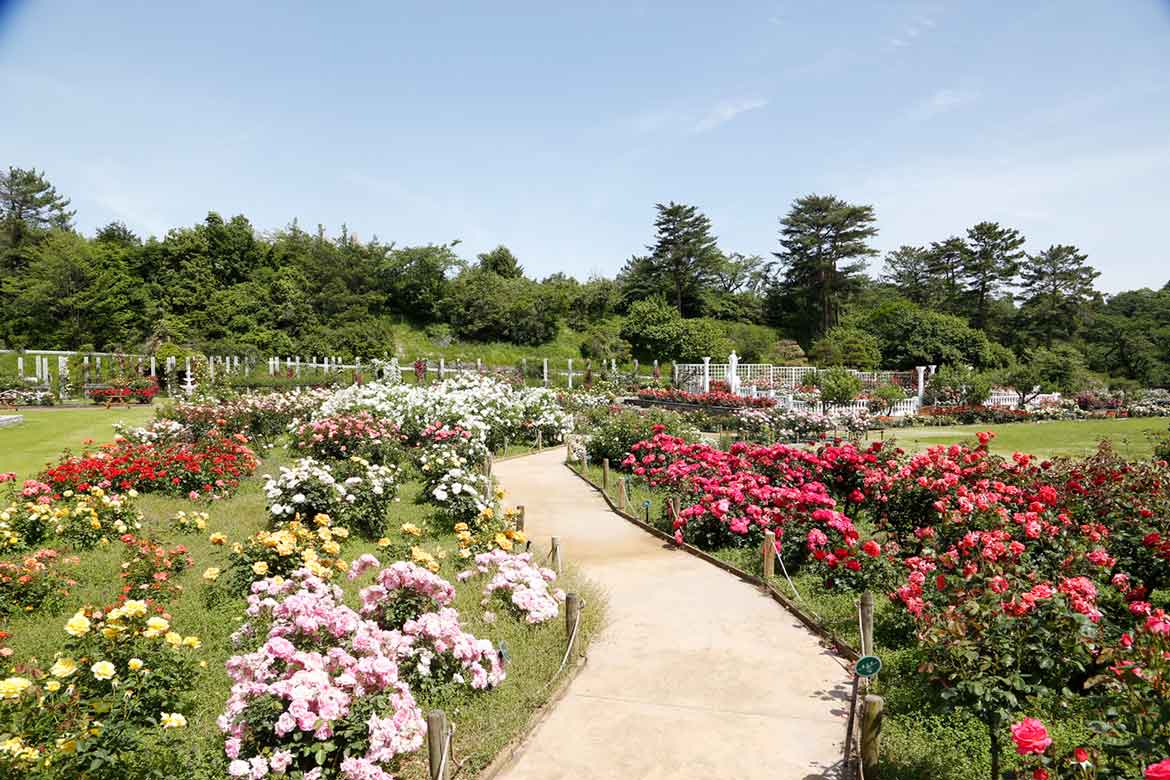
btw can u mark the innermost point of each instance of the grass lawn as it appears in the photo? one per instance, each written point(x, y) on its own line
point(1131, 437)
point(46, 431)
point(485, 721)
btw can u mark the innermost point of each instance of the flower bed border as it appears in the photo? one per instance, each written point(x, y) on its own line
point(678, 406)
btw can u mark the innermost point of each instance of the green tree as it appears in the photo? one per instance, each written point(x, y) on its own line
point(823, 250)
point(30, 207)
point(991, 262)
point(908, 268)
point(118, 234)
point(684, 257)
point(845, 346)
point(910, 336)
point(837, 385)
point(944, 262)
point(1057, 292)
point(501, 261)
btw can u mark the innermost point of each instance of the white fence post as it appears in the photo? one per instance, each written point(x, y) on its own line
point(20, 366)
point(706, 375)
point(570, 373)
point(442, 369)
point(545, 369)
point(153, 366)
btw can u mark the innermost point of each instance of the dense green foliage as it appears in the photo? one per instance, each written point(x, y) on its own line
point(220, 286)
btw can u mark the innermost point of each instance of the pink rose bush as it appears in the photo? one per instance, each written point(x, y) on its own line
point(522, 585)
point(344, 435)
point(435, 651)
point(401, 592)
point(317, 670)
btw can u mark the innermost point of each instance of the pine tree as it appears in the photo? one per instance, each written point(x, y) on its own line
point(908, 268)
point(944, 264)
point(823, 251)
point(684, 256)
point(30, 207)
point(992, 262)
point(1056, 291)
point(502, 262)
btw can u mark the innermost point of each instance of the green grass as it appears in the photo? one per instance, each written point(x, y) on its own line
point(1131, 437)
point(485, 721)
point(27, 447)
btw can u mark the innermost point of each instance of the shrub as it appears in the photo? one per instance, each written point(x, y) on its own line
point(345, 435)
point(850, 347)
point(352, 492)
point(618, 432)
point(313, 545)
point(837, 385)
point(149, 570)
point(888, 395)
point(958, 386)
point(38, 581)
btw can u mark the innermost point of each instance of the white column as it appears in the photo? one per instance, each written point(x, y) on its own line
point(545, 369)
point(187, 365)
point(442, 369)
point(706, 375)
point(297, 366)
point(153, 366)
point(570, 373)
point(20, 366)
point(921, 382)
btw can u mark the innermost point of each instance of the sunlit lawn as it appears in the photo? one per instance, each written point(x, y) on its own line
point(1131, 437)
point(46, 431)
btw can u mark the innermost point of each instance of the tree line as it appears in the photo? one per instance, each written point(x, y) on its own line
point(983, 298)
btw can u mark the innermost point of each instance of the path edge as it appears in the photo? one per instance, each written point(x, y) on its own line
point(835, 643)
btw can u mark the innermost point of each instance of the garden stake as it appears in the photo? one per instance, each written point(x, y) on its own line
point(769, 554)
point(439, 745)
point(520, 518)
point(872, 714)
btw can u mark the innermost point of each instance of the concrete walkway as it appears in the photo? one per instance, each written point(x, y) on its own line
point(696, 675)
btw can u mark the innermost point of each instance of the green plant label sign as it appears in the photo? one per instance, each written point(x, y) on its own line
point(868, 666)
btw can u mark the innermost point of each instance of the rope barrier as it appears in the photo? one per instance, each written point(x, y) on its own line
point(568, 650)
point(792, 585)
point(446, 751)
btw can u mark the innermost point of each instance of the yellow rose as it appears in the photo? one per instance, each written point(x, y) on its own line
point(217, 538)
point(156, 626)
point(135, 664)
point(78, 625)
point(411, 529)
point(173, 638)
point(173, 720)
point(12, 687)
point(383, 542)
point(321, 519)
point(331, 547)
point(63, 667)
point(102, 670)
point(134, 608)
point(260, 567)
point(192, 642)
point(52, 686)
point(211, 574)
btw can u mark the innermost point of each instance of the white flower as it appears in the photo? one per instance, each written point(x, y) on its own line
point(299, 498)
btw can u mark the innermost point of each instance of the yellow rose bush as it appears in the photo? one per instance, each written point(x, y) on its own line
point(314, 545)
point(107, 705)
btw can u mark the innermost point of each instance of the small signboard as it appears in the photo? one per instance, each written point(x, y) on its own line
point(867, 666)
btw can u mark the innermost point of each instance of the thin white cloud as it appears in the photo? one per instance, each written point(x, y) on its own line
point(725, 111)
point(941, 101)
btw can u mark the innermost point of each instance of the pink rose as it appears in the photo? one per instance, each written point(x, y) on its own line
point(1159, 771)
point(1031, 737)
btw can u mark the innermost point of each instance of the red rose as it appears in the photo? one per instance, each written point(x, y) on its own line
point(1081, 755)
point(872, 548)
point(1031, 737)
point(1039, 773)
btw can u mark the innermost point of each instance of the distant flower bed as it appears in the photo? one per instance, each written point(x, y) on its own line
point(211, 467)
point(142, 394)
point(712, 398)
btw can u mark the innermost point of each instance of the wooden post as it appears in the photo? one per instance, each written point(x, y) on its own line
point(871, 735)
point(849, 724)
point(867, 623)
point(556, 553)
point(540, 440)
point(769, 554)
point(520, 518)
point(623, 496)
point(572, 616)
point(487, 466)
point(605, 474)
point(437, 735)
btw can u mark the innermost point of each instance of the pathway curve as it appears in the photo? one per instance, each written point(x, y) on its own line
point(696, 675)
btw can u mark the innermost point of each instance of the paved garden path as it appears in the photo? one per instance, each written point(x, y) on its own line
point(696, 674)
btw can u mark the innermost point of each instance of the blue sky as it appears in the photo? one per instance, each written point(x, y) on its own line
point(554, 128)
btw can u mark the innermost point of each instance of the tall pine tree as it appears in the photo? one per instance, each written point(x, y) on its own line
point(908, 268)
point(823, 250)
point(991, 263)
point(1056, 291)
point(684, 257)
